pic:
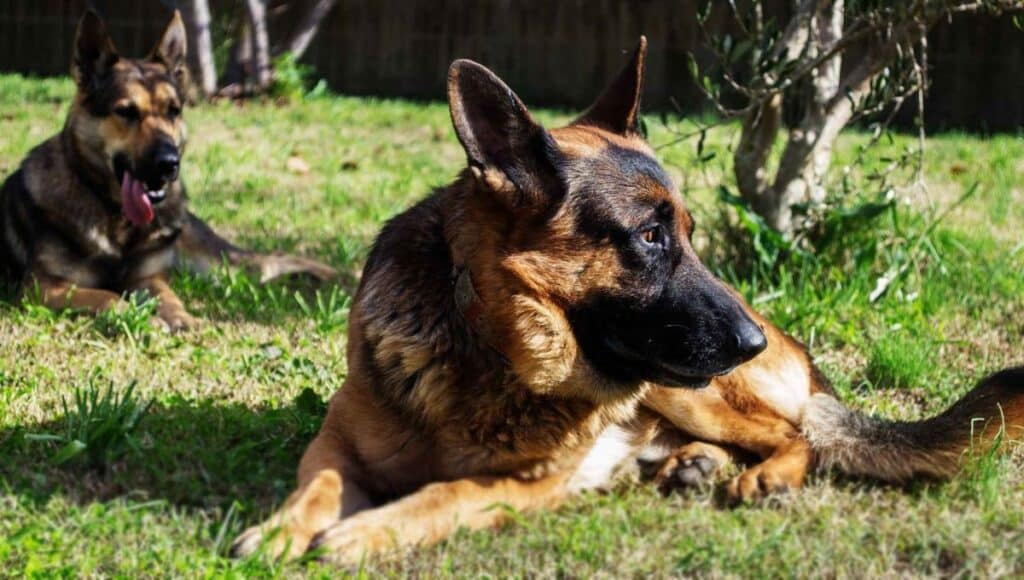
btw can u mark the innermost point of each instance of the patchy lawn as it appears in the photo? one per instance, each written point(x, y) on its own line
point(235, 402)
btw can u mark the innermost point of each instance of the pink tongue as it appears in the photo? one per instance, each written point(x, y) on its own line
point(134, 201)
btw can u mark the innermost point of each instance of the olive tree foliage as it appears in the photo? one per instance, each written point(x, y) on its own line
point(805, 79)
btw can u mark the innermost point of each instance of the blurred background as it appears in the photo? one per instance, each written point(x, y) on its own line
point(555, 53)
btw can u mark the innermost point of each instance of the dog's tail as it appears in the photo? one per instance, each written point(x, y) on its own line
point(897, 451)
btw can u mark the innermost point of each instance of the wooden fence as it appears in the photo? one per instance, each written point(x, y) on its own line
point(553, 52)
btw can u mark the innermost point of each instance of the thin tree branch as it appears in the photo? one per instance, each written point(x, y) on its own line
point(306, 30)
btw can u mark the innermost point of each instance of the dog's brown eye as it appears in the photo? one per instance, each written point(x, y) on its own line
point(653, 236)
point(127, 112)
point(174, 111)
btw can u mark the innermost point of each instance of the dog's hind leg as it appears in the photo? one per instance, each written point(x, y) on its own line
point(203, 249)
point(322, 497)
point(434, 512)
point(785, 469)
point(707, 416)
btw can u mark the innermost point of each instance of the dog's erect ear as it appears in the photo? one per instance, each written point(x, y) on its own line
point(618, 108)
point(172, 47)
point(94, 51)
point(499, 134)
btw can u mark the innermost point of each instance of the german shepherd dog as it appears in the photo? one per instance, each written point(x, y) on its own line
point(523, 333)
point(98, 210)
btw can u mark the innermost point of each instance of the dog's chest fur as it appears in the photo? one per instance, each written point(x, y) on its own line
point(614, 447)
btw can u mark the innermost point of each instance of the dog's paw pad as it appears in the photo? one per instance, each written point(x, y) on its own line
point(697, 471)
point(687, 471)
point(756, 484)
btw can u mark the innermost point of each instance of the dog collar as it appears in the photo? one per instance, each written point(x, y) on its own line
point(466, 299)
point(471, 307)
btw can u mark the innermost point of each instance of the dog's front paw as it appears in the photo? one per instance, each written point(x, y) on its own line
point(175, 320)
point(691, 466)
point(273, 539)
point(312, 508)
point(352, 539)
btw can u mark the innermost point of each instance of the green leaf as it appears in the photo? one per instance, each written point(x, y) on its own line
point(43, 437)
point(69, 451)
point(742, 48)
point(691, 63)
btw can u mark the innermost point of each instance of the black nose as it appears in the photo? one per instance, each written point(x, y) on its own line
point(167, 162)
point(750, 339)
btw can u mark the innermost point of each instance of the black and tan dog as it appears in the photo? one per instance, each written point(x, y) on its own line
point(522, 333)
point(98, 210)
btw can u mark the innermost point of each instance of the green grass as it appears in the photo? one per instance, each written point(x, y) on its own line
point(235, 402)
point(99, 428)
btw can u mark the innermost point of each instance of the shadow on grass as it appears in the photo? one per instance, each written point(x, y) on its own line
point(195, 455)
point(237, 297)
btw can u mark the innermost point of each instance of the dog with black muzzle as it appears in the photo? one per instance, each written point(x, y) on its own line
point(524, 332)
point(98, 210)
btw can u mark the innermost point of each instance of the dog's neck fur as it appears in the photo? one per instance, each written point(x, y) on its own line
point(97, 178)
point(431, 365)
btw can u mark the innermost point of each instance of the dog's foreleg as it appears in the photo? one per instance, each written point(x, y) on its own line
point(322, 497)
point(169, 307)
point(434, 512)
point(57, 293)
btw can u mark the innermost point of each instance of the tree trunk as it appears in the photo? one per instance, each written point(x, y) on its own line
point(807, 90)
point(757, 138)
point(808, 150)
point(199, 19)
point(261, 70)
point(238, 68)
point(306, 30)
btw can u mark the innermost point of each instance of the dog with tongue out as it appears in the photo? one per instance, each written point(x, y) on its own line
point(135, 200)
point(98, 211)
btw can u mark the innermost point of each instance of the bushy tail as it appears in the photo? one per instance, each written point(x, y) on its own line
point(898, 451)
